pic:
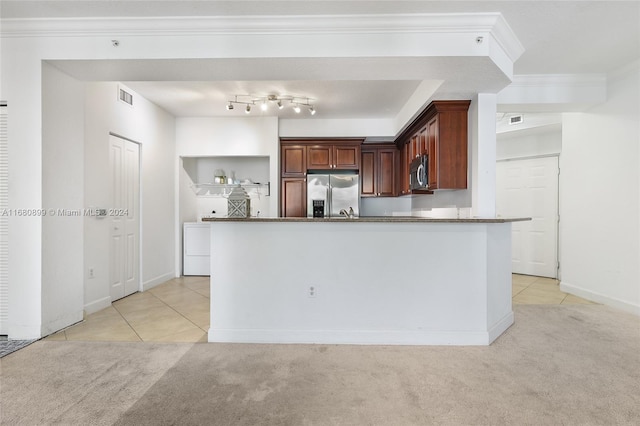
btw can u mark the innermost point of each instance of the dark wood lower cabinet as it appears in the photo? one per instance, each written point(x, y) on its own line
point(293, 197)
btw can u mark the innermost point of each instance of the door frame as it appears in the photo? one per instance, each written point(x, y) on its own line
point(140, 208)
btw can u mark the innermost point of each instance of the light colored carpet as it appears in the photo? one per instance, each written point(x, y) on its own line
point(558, 365)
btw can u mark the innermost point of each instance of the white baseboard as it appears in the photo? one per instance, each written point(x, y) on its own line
point(97, 305)
point(149, 284)
point(350, 337)
point(500, 327)
point(21, 332)
point(60, 323)
point(600, 298)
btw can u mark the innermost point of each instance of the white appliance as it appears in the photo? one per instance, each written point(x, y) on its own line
point(196, 249)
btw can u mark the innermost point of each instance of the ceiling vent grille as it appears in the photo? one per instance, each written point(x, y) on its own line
point(516, 119)
point(125, 96)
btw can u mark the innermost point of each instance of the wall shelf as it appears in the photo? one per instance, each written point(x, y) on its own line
point(223, 190)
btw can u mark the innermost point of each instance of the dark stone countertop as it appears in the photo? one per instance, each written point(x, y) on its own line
point(370, 219)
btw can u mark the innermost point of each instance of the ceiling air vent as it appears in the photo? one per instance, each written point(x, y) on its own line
point(516, 119)
point(125, 96)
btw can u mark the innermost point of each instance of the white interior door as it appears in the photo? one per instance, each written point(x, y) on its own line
point(124, 216)
point(529, 188)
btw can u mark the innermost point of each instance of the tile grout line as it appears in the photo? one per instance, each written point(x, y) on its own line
point(176, 311)
point(125, 320)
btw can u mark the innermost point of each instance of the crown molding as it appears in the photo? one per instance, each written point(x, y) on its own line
point(554, 80)
point(506, 38)
point(557, 92)
point(462, 23)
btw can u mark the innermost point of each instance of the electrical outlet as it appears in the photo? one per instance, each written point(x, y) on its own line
point(312, 291)
point(91, 275)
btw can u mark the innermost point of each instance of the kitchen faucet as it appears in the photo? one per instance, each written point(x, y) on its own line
point(348, 214)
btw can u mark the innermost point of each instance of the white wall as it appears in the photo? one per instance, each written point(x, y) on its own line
point(546, 140)
point(210, 137)
point(62, 190)
point(21, 88)
point(600, 193)
point(154, 129)
point(342, 128)
point(237, 137)
point(187, 200)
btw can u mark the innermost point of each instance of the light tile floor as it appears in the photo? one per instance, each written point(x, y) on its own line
point(175, 311)
point(178, 311)
point(530, 290)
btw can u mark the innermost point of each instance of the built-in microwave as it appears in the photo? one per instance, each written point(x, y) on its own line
point(419, 177)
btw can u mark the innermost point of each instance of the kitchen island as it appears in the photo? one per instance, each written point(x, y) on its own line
point(383, 280)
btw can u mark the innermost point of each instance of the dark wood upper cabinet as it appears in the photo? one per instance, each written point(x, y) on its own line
point(368, 172)
point(423, 146)
point(440, 131)
point(329, 157)
point(320, 157)
point(293, 160)
point(432, 151)
point(403, 169)
point(378, 171)
point(387, 159)
point(346, 157)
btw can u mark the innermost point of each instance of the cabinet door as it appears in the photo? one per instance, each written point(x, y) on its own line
point(414, 146)
point(293, 161)
point(405, 162)
point(422, 144)
point(346, 157)
point(433, 144)
point(386, 172)
point(293, 197)
point(320, 157)
point(368, 173)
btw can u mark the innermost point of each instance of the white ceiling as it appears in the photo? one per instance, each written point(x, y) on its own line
point(559, 37)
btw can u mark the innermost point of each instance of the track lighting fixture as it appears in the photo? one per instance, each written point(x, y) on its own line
point(279, 100)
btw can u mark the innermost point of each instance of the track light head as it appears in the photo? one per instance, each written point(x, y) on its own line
point(263, 101)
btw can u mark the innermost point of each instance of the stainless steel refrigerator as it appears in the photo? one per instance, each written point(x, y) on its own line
point(337, 191)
